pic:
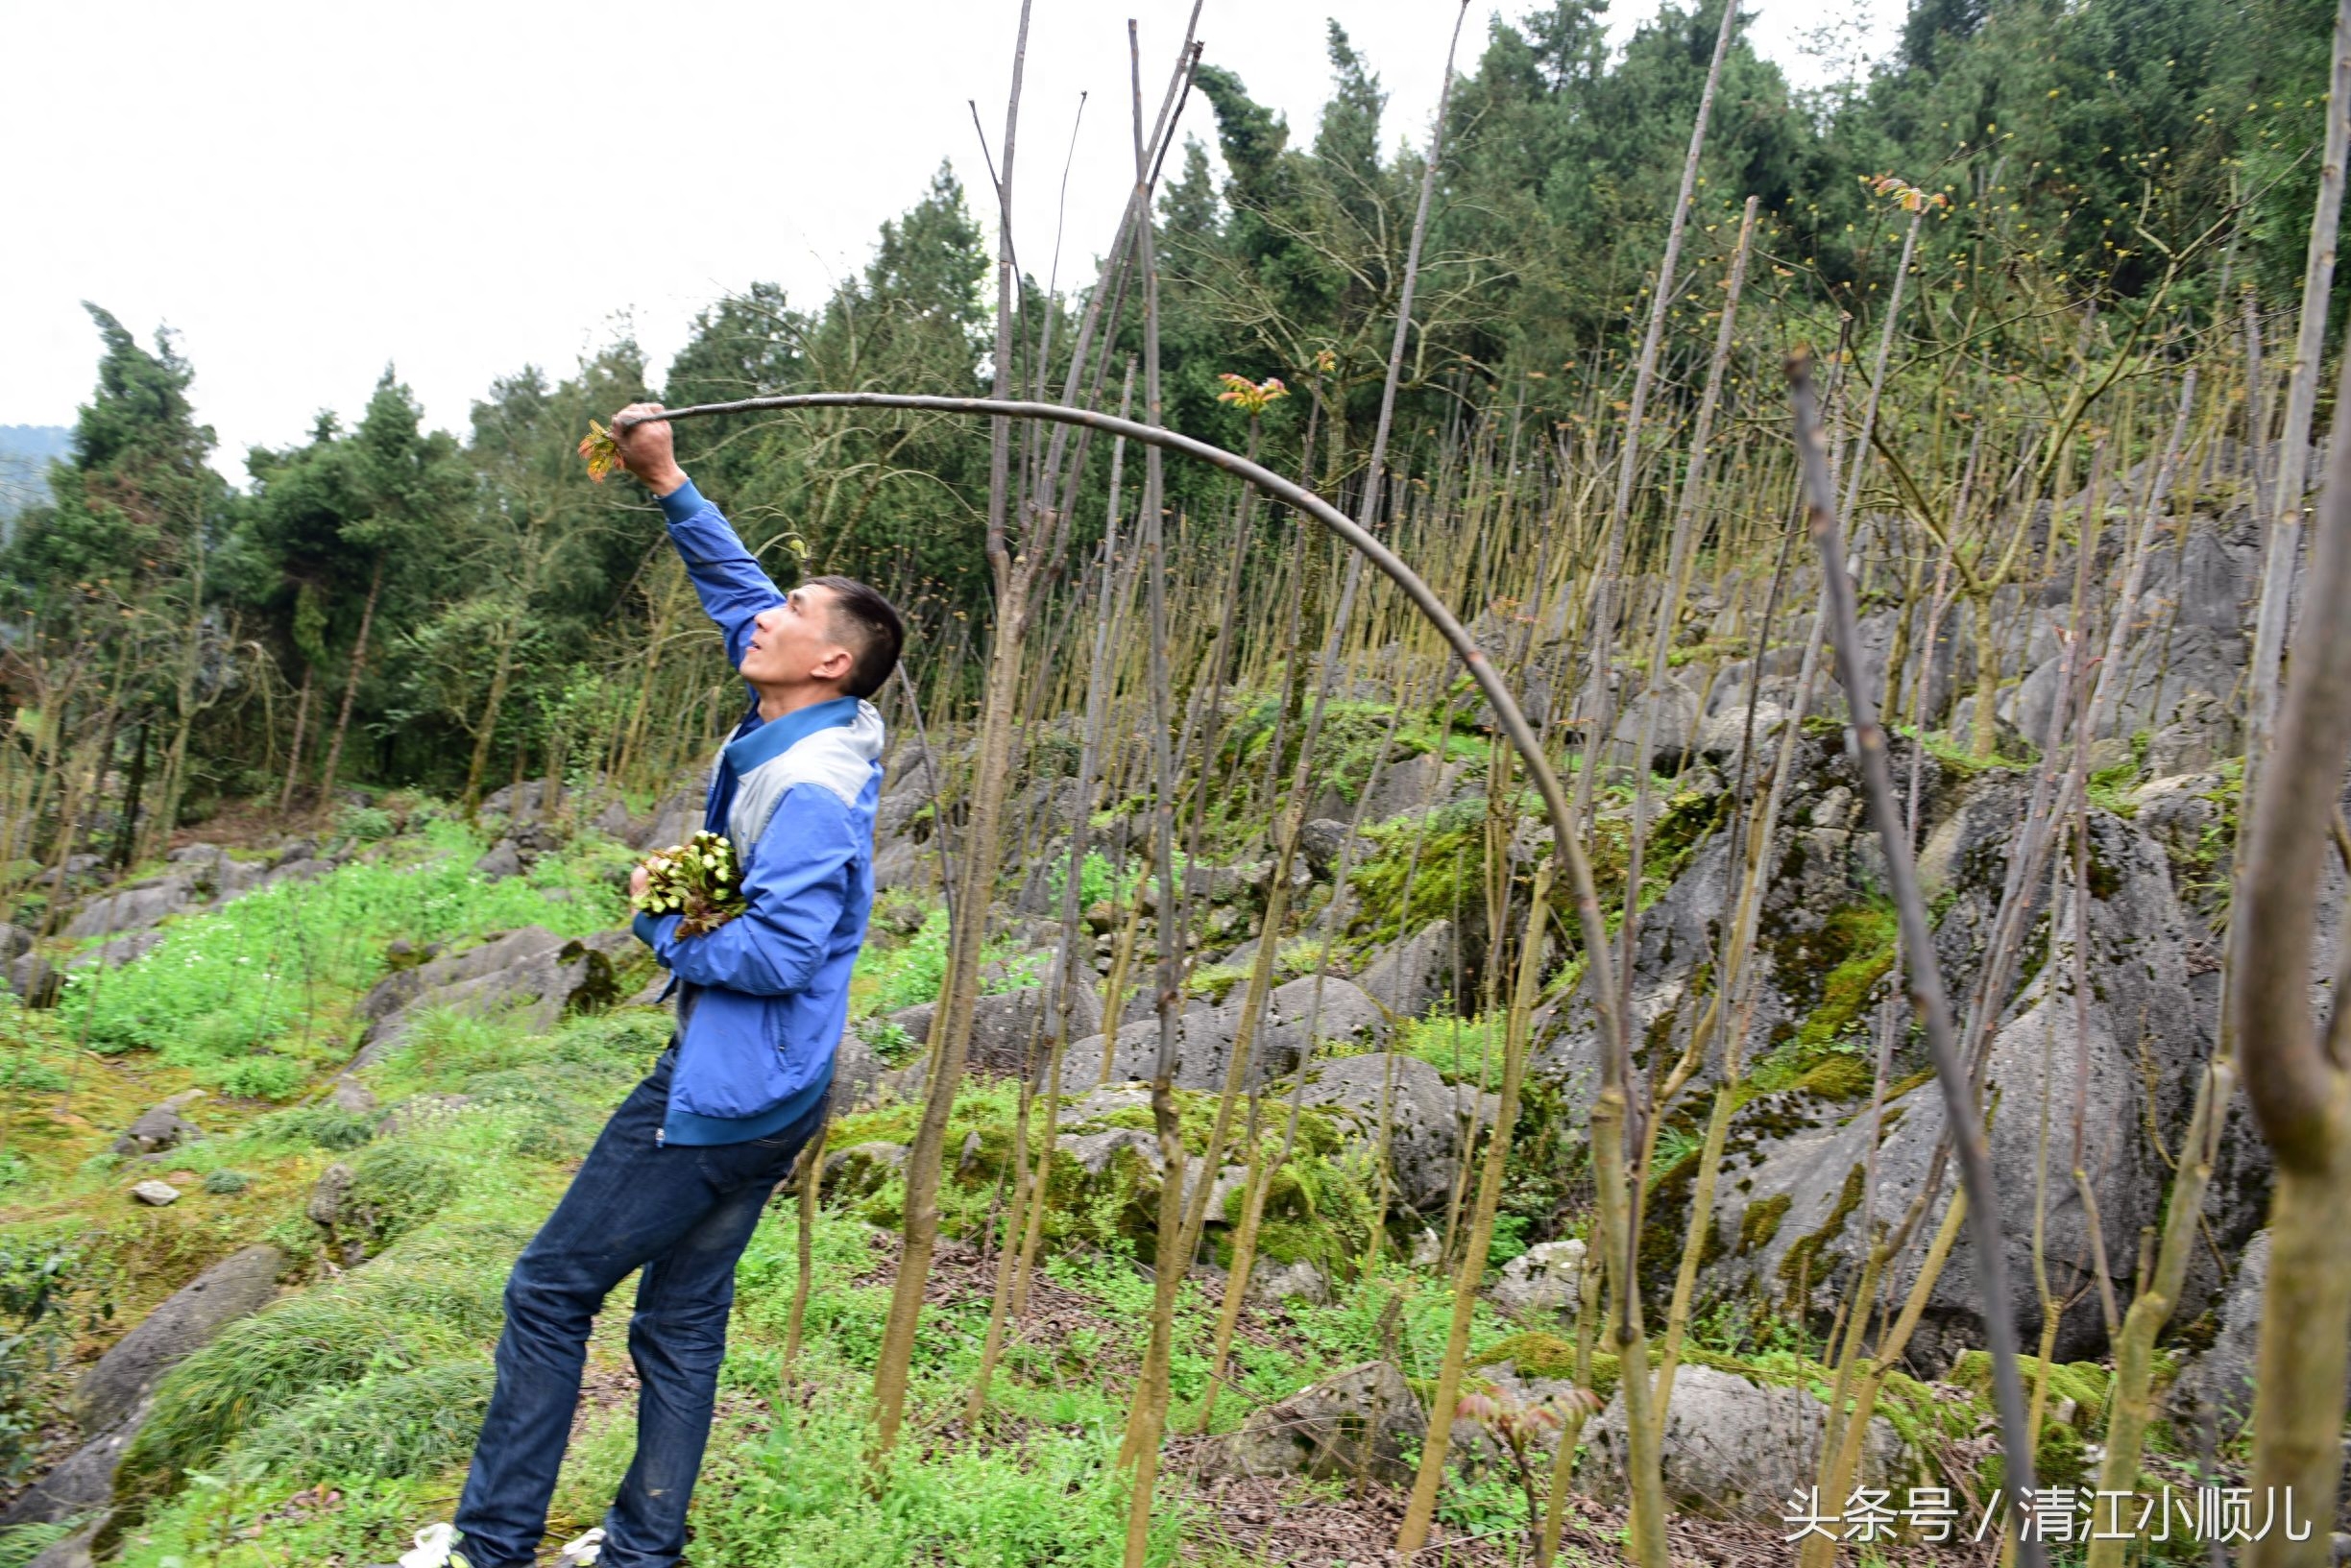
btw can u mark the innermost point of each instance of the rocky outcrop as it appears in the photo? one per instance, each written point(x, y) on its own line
point(1787, 1217)
point(1410, 976)
point(1273, 1284)
point(198, 876)
point(238, 1285)
point(1425, 1117)
point(1205, 1037)
point(1013, 1027)
point(2223, 1377)
point(532, 975)
point(1734, 1448)
point(1543, 1280)
point(81, 1483)
point(161, 1126)
point(1361, 1424)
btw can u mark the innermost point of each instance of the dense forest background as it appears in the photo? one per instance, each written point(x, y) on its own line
point(396, 605)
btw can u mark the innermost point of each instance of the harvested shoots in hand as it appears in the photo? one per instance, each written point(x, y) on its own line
point(700, 880)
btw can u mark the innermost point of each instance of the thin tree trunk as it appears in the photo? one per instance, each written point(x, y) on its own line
point(127, 841)
point(1599, 704)
point(350, 686)
point(1928, 1001)
point(812, 1188)
point(1148, 1420)
point(302, 719)
point(1669, 598)
point(2293, 1073)
point(982, 848)
point(1422, 1509)
point(175, 760)
point(486, 728)
point(2285, 539)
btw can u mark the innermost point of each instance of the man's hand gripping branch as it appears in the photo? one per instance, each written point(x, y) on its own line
point(647, 450)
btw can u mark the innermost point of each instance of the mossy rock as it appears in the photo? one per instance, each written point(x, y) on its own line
point(1535, 1355)
point(2086, 1383)
point(396, 1187)
point(1837, 1076)
point(1760, 1222)
point(2061, 1459)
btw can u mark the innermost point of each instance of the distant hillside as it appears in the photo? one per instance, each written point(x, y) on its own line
point(25, 451)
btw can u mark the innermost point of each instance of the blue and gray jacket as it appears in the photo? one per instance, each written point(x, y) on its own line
point(763, 999)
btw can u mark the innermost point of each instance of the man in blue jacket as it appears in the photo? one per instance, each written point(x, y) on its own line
point(676, 1182)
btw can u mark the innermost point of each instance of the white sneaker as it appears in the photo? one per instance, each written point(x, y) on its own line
point(578, 1553)
point(432, 1549)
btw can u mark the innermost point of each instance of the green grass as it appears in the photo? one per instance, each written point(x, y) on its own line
point(235, 996)
point(370, 1381)
point(908, 971)
point(1465, 1050)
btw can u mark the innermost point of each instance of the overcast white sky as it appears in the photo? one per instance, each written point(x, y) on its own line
point(306, 191)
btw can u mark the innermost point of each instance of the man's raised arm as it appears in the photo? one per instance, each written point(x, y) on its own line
point(727, 577)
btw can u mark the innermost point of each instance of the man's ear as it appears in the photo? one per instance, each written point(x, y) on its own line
point(834, 665)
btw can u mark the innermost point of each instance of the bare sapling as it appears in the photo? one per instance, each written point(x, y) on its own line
point(2285, 536)
point(950, 1035)
point(1599, 702)
point(1196, 1218)
point(1442, 1404)
point(2294, 1075)
point(1673, 586)
point(1920, 968)
point(811, 1186)
point(1845, 1461)
point(1099, 678)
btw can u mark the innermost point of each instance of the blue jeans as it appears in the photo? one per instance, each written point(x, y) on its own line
point(684, 1215)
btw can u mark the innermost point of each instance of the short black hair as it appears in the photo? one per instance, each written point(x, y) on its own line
point(870, 625)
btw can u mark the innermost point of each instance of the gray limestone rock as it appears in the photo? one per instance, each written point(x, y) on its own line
point(898, 863)
point(2223, 1377)
point(1733, 1449)
point(1795, 1163)
point(1323, 840)
point(1272, 1284)
point(155, 1195)
point(161, 1127)
point(1007, 1025)
point(34, 979)
point(1543, 1279)
point(860, 1170)
point(1362, 1422)
point(1424, 1118)
point(504, 860)
point(895, 812)
point(531, 973)
point(1411, 786)
point(75, 1550)
point(1096, 1151)
point(81, 1483)
point(1205, 1035)
point(324, 1205)
point(1672, 714)
point(677, 818)
point(1410, 976)
point(238, 1285)
point(134, 909)
point(117, 952)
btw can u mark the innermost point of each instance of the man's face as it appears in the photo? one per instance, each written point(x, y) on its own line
point(793, 644)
